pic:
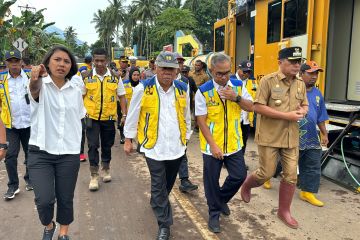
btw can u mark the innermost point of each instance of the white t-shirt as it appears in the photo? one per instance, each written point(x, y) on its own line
point(56, 118)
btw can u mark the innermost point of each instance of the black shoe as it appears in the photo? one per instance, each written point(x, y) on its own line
point(187, 186)
point(11, 192)
point(29, 187)
point(225, 209)
point(163, 234)
point(122, 141)
point(48, 234)
point(214, 224)
point(64, 237)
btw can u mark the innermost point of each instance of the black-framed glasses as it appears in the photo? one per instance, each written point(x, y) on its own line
point(222, 74)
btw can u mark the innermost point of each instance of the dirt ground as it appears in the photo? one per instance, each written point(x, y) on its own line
point(121, 210)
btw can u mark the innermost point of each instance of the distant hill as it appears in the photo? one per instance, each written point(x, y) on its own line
point(60, 33)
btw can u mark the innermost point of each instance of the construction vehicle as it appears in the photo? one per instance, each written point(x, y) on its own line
point(328, 34)
point(117, 53)
point(181, 39)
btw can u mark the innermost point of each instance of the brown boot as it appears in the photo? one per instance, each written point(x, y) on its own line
point(250, 182)
point(105, 172)
point(286, 193)
point(94, 181)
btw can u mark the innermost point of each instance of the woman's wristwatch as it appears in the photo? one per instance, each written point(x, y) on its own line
point(4, 146)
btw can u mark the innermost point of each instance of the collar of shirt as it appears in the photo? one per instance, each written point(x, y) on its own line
point(158, 86)
point(48, 80)
point(282, 76)
point(22, 75)
point(108, 73)
point(238, 77)
point(217, 86)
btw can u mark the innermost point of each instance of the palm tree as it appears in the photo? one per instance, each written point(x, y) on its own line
point(146, 12)
point(104, 26)
point(70, 37)
point(116, 14)
point(4, 9)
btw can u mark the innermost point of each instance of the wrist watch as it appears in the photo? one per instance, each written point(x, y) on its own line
point(238, 99)
point(4, 146)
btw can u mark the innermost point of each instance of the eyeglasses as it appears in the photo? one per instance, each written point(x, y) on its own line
point(222, 74)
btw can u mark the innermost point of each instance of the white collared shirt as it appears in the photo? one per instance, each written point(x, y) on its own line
point(120, 89)
point(201, 109)
point(244, 114)
point(20, 110)
point(168, 145)
point(56, 118)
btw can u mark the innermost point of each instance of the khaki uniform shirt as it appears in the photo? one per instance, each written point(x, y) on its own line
point(284, 96)
point(199, 77)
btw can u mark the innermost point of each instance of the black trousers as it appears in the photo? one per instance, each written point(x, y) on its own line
point(217, 196)
point(163, 176)
point(245, 128)
point(184, 168)
point(15, 137)
point(103, 131)
point(54, 179)
point(83, 135)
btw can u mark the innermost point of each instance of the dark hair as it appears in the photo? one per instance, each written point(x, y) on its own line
point(26, 60)
point(99, 51)
point(46, 60)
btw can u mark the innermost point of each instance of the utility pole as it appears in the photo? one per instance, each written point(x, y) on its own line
point(27, 8)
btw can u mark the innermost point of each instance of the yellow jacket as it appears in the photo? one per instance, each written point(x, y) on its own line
point(223, 119)
point(5, 98)
point(251, 87)
point(128, 92)
point(150, 109)
point(100, 98)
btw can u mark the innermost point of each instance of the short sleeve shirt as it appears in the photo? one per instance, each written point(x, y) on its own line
point(283, 95)
point(309, 138)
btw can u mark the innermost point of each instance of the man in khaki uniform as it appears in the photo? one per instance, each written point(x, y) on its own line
point(280, 102)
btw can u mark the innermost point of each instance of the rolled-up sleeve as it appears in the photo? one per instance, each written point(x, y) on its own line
point(132, 119)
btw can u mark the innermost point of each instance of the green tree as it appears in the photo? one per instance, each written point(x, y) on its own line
point(104, 27)
point(70, 37)
point(116, 14)
point(206, 13)
point(146, 12)
point(169, 21)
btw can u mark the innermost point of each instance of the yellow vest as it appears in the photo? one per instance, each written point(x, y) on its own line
point(150, 110)
point(83, 67)
point(223, 119)
point(128, 92)
point(251, 87)
point(100, 98)
point(5, 98)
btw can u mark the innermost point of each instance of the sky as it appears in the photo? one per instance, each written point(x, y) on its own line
point(75, 13)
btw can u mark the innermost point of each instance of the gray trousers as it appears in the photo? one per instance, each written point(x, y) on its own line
point(54, 179)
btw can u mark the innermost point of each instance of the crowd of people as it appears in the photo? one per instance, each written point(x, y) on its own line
point(52, 108)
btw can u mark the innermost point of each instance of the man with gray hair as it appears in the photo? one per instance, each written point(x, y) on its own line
point(218, 105)
point(159, 115)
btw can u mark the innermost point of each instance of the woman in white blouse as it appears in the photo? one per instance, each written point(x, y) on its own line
point(54, 147)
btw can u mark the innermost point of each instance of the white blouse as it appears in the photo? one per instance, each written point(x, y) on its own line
point(56, 118)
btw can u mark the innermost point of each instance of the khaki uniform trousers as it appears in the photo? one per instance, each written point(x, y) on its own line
point(268, 160)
